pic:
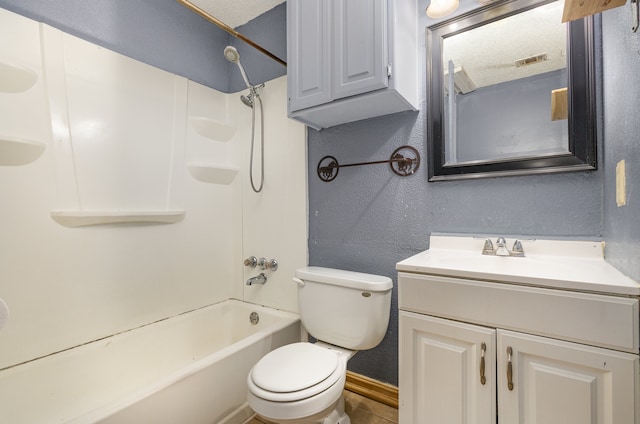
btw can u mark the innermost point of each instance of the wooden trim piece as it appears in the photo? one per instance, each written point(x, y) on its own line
point(576, 9)
point(372, 389)
point(559, 104)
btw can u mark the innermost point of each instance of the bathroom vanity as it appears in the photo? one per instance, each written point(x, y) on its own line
point(548, 338)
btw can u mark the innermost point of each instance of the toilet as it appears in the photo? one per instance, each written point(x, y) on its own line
point(303, 382)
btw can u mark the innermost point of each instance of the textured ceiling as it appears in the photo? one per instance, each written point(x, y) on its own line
point(236, 12)
point(489, 53)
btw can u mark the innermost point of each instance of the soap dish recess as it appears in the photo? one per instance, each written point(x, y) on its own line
point(212, 173)
point(14, 79)
point(19, 151)
point(212, 129)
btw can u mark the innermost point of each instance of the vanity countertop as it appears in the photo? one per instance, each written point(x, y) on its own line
point(562, 264)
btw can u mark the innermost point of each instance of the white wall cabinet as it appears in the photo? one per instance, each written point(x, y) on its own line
point(529, 378)
point(350, 60)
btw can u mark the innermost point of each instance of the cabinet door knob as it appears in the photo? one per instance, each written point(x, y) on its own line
point(509, 368)
point(483, 350)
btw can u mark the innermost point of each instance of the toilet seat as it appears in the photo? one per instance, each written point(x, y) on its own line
point(295, 372)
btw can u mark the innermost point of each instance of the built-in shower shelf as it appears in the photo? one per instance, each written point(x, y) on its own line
point(80, 218)
point(212, 129)
point(19, 151)
point(212, 173)
point(14, 79)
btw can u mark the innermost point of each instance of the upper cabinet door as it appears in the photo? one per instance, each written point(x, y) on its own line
point(360, 50)
point(308, 50)
point(339, 54)
point(557, 382)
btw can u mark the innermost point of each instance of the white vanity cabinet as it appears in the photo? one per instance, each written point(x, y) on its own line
point(442, 363)
point(350, 60)
point(552, 382)
point(482, 350)
point(562, 382)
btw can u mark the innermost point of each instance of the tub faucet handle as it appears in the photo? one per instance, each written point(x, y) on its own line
point(251, 261)
point(270, 265)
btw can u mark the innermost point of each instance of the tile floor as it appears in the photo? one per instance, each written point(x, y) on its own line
point(361, 410)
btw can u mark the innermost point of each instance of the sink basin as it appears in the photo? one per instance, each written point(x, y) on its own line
point(481, 263)
point(571, 265)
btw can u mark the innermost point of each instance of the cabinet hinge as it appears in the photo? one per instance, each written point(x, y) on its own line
point(389, 71)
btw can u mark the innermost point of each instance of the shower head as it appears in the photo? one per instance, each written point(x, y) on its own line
point(232, 55)
point(247, 100)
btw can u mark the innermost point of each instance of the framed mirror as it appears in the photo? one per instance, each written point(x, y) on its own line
point(510, 91)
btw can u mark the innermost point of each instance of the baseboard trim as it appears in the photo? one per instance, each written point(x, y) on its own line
point(372, 389)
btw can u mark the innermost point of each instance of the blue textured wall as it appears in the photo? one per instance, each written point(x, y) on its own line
point(621, 67)
point(524, 105)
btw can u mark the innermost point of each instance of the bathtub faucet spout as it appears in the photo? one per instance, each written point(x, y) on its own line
point(258, 279)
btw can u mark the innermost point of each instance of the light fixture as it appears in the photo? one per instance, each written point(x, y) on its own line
point(441, 8)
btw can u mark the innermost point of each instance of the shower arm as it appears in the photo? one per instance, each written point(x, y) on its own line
point(230, 30)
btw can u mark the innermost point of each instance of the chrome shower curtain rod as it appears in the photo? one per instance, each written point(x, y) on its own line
point(230, 30)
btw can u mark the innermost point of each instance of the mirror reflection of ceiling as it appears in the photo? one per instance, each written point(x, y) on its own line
point(489, 53)
point(236, 12)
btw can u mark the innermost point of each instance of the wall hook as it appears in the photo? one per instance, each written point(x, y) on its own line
point(636, 15)
point(404, 161)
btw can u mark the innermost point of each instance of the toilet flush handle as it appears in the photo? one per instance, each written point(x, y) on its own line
point(298, 281)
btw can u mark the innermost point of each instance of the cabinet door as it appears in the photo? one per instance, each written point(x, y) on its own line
point(308, 49)
point(360, 46)
point(556, 382)
point(441, 362)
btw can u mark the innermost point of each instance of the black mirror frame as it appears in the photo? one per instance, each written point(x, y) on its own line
point(582, 99)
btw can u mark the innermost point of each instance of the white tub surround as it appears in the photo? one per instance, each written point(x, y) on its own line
point(130, 203)
point(550, 337)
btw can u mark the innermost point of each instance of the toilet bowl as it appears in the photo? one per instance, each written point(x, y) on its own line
point(303, 382)
point(300, 383)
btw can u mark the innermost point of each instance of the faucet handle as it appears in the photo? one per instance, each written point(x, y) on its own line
point(268, 264)
point(488, 248)
point(517, 249)
point(251, 261)
point(271, 264)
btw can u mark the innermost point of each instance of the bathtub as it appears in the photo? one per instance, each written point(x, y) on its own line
point(191, 368)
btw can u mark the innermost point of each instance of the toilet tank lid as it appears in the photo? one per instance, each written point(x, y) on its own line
point(340, 277)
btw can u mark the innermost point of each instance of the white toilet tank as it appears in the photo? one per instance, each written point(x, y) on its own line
point(344, 308)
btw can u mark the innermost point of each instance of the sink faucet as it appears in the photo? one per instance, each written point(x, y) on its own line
point(258, 279)
point(501, 248)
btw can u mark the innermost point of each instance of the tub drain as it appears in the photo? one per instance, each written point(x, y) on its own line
point(254, 318)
